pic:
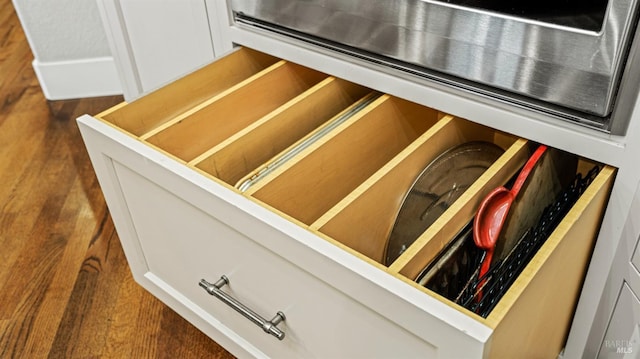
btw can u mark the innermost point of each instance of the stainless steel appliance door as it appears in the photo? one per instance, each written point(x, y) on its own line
point(570, 67)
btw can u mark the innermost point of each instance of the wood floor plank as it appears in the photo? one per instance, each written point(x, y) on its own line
point(123, 327)
point(21, 137)
point(185, 341)
point(86, 317)
point(66, 290)
point(50, 182)
point(79, 227)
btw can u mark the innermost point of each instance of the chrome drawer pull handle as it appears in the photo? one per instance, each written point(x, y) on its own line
point(269, 326)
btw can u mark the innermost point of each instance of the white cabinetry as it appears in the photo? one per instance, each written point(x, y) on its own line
point(622, 339)
point(617, 309)
point(632, 231)
point(390, 299)
point(156, 41)
point(308, 239)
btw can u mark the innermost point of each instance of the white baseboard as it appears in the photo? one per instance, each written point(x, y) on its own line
point(65, 80)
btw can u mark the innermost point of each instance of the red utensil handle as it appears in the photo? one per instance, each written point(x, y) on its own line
point(528, 167)
point(486, 264)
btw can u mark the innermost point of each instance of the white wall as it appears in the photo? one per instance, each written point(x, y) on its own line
point(72, 55)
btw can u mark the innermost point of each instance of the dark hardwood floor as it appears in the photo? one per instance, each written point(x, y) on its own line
point(65, 288)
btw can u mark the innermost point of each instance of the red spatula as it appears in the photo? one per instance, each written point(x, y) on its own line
point(494, 208)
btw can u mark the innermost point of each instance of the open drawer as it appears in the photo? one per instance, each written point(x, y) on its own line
point(288, 181)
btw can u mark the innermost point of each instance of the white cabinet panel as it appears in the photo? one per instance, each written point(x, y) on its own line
point(636, 258)
point(632, 227)
point(623, 335)
point(219, 21)
point(168, 38)
point(155, 42)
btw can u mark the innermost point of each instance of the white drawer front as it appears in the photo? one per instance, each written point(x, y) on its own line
point(183, 244)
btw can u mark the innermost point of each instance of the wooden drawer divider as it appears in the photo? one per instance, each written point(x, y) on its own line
point(196, 131)
point(255, 145)
point(168, 102)
point(329, 170)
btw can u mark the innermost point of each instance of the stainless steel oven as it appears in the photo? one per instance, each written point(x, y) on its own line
point(566, 58)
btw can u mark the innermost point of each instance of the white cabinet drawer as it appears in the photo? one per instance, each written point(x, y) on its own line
point(309, 238)
point(622, 339)
point(202, 247)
